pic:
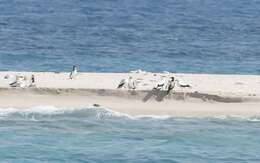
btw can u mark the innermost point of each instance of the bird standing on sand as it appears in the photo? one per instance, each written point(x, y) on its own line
point(127, 83)
point(131, 83)
point(122, 83)
point(161, 85)
point(170, 85)
point(15, 82)
point(32, 81)
point(20, 81)
point(74, 72)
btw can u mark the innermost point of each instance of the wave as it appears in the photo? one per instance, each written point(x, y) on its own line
point(51, 111)
point(38, 112)
point(96, 112)
point(239, 118)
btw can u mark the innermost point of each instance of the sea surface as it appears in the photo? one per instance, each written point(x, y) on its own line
point(194, 36)
point(198, 36)
point(49, 134)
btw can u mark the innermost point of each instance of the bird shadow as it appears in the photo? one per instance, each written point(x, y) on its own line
point(158, 94)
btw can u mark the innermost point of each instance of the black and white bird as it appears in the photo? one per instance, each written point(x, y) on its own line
point(74, 72)
point(20, 81)
point(15, 82)
point(122, 83)
point(127, 83)
point(32, 82)
point(162, 84)
point(131, 83)
point(170, 85)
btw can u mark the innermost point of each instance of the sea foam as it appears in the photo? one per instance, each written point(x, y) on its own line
point(101, 113)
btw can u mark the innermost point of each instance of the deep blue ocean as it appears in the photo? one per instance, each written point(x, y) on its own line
point(195, 36)
point(198, 36)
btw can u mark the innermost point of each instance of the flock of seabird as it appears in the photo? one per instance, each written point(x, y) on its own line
point(165, 84)
point(23, 82)
point(20, 81)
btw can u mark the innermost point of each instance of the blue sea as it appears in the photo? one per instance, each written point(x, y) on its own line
point(191, 36)
point(49, 134)
point(197, 36)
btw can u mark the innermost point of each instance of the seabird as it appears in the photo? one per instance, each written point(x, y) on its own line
point(22, 82)
point(32, 83)
point(74, 72)
point(122, 83)
point(129, 83)
point(15, 82)
point(171, 85)
point(161, 84)
point(19, 82)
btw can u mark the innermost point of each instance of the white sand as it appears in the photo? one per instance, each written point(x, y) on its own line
point(213, 91)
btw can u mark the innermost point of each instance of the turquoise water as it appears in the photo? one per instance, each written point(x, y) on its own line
point(200, 36)
point(49, 134)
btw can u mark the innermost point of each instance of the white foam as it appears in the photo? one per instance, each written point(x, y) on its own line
point(112, 113)
point(162, 117)
point(37, 110)
point(239, 117)
point(100, 113)
point(52, 110)
point(118, 114)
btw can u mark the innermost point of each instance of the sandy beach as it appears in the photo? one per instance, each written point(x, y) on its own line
point(210, 95)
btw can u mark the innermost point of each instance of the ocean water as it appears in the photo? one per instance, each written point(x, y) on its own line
point(49, 134)
point(199, 36)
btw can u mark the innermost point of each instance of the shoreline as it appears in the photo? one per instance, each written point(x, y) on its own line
point(211, 95)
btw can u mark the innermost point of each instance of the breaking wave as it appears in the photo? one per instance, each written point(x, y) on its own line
point(39, 112)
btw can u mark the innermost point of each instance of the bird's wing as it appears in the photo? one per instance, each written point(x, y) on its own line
point(122, 82)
